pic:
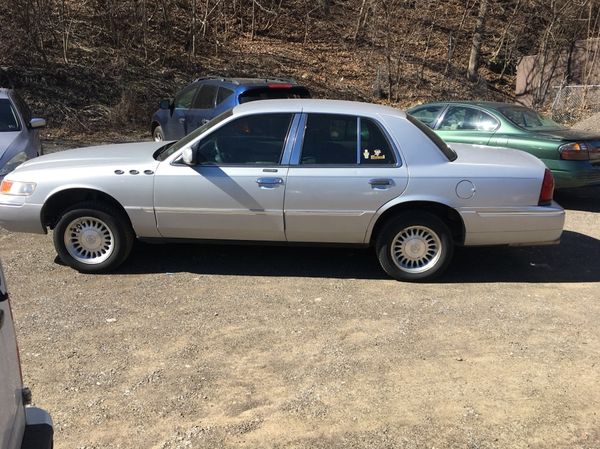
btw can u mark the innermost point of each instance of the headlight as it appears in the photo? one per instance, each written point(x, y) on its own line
point(14, 162)
point(17, 188)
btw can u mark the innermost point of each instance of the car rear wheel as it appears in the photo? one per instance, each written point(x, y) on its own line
point(416, 246)
point(93, 238)
point(158, 134)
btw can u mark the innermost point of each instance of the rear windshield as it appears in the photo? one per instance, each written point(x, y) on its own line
point(274, 93)
point(448, 152)
point(529, 119)
point(8, 117)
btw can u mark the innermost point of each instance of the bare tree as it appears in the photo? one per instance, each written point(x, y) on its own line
point(473, 67)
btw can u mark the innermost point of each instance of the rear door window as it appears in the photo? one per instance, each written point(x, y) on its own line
point(206, 97)
point(331, 139)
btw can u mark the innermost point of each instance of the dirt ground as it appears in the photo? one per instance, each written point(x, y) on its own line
point(263, 347)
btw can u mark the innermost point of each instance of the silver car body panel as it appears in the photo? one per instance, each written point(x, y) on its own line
point(495, 192)
point(12, 414)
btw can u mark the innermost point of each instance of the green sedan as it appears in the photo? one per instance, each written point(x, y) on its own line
point(571, 154)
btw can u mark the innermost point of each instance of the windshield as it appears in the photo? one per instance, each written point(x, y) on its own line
point(8, 118)
point(529, 119)
point(169, 149)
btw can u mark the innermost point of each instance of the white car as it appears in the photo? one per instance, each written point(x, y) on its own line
point(21, 427)
point(288, 171)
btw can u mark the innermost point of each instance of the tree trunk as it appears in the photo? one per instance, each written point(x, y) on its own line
point(472, 70)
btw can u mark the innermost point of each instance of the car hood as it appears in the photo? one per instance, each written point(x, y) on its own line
point(568, 134)
point(123, 155)
point(6, 139)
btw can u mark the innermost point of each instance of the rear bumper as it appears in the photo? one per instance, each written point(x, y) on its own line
point(39, 431)
point(534, 225)
point(577, 174)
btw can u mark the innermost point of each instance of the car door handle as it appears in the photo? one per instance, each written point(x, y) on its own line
point(269, 183)
point(204, 121)
point(182, 120)
point(381, 183)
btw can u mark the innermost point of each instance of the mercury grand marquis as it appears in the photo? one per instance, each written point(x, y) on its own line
point(288, 171)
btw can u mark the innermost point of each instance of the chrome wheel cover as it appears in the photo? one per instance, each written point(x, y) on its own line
point(89, 240)
point(416, 249)
point(158, 137)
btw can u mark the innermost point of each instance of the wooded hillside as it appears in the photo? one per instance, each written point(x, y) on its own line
point(88, 65)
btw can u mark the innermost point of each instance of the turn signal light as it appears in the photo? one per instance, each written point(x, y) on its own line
point(547, 191)
point(6, 186)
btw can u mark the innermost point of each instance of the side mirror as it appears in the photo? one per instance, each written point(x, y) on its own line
point(165, 103)
point(189, 156)
point(37, 123)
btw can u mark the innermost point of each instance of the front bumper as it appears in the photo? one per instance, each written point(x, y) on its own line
point(39, 430)
point(18, 216)
point(533, 225)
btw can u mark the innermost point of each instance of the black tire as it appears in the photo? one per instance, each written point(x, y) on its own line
point(157, 134)
point(415, 246)
point(93, 238)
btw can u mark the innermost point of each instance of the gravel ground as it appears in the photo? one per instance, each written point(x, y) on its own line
point(264, 347)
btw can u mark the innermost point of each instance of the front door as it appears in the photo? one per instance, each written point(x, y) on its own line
point(235, 191)
point(464, 124)
point(176, 125)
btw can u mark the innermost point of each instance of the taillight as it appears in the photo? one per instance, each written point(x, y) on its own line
point(547, 189)
point(579, 151)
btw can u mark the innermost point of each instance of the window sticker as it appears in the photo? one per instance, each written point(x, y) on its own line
point(376, 156)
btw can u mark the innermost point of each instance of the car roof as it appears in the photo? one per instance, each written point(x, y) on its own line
point(484, 104)
point(317, 106)
point(249, 82)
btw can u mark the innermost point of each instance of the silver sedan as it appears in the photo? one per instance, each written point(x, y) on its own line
point(289, 171)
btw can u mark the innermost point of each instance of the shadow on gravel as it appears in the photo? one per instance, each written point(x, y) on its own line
point(574, 260)
point(586, 199)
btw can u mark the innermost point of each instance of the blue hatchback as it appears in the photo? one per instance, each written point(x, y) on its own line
point(206, 98)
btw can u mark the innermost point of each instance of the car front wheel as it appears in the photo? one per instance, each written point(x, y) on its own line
point(416, 246)
point(93, 238)
point(158, 134)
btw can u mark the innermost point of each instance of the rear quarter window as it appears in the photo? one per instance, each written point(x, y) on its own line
point(273, 93)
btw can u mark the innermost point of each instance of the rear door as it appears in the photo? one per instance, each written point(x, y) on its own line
point(342, 172)
point(12, 416)
point(465, 124)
